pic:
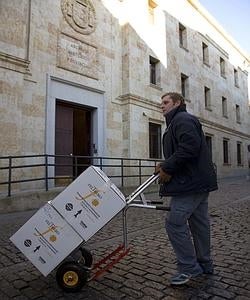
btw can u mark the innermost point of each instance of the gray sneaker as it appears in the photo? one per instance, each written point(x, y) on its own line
point(180, 279)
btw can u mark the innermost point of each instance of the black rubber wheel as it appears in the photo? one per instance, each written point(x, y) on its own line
point(87, 258)
point(71, 277)
point(82, 256)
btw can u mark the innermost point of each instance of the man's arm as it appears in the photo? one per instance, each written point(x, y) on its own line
point(188, 139)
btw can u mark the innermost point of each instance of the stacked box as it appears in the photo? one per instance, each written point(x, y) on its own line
point(46, 239)
point(90, 202)
point(74, 216)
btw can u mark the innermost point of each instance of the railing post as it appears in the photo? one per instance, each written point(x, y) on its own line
point(155, 163)
point(122, 172)
point(140, 171)
point(75, 161)
point(46, 173)
point(101, 163)
point(9, 180)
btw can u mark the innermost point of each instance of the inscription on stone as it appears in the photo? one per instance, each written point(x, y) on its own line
point(80, 14)
point(77, 56)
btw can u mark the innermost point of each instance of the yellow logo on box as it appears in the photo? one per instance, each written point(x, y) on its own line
point(95, 202)
point(51, 228)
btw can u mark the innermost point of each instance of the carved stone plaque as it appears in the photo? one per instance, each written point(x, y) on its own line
point(77, 56)
point(80, 14)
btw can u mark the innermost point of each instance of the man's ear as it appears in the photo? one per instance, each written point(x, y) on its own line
point(177, 103)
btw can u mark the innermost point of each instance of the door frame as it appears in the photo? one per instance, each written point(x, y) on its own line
point(74, 93)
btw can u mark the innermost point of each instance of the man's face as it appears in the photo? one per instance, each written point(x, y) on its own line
point(167, 105)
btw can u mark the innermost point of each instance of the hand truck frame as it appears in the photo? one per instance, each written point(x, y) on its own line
point(74, 273)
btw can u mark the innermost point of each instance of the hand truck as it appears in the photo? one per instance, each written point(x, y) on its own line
point(78, 269)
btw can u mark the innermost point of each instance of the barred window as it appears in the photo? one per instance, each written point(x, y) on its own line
point(182, 36)
point(155, 140)
point(225, 151)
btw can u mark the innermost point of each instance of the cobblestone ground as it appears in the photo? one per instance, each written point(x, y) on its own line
point(144, 272)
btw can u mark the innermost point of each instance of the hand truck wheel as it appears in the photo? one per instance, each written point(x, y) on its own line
point(71, 277)
point(86, 257)
point(82, 256)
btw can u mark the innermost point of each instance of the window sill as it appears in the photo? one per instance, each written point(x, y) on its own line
point(184, 48)
point(155, 86)
point(238, 122)
point(208, 108)
point(206, 64)
point(226, 164)
point(236, 85)
point(226, 117)
point(223, 76)
point(187, 100)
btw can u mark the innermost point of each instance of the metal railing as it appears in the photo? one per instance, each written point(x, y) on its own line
point(118, 168)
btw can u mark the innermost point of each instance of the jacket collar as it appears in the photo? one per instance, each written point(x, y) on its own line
point(169, 116)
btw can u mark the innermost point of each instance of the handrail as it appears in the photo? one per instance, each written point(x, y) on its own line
point(9, 164)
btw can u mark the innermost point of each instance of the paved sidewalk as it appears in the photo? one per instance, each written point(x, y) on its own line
point(144, 272)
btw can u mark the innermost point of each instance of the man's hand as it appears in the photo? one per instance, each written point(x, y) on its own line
point(164, 177)
point(157, 168)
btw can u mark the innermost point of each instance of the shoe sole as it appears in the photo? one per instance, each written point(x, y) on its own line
point(187, 280)
point(180, 283)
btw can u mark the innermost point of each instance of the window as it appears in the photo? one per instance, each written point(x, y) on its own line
point(154, 70)
point(184, 86)
point(209, 145)
point(182, 36)
point(222, 67)
point(237, 107)
point(154, 140)
point(224, 107)
point(239, 154)
point(236, 78)
point(205, 53)
point(207, 98)
point(225, 151)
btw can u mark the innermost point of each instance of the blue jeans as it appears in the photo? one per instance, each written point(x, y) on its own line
point(189, 216)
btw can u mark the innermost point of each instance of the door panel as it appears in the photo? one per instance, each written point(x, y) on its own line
point(72, 136)
point(82, 138)
point(64, 139)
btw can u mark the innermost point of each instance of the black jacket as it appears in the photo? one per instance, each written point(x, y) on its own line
point(186, 156)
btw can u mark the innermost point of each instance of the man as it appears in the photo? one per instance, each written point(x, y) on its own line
point(187, 175)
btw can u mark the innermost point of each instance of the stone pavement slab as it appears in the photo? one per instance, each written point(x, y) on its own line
point(144, 272)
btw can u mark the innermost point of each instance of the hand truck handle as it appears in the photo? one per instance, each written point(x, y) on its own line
point(166, 208)
point(142, 187)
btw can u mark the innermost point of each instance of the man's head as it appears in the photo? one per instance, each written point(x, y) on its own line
point(170, 101)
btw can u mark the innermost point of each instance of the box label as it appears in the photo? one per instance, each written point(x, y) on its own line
point(46, 239)
point(89, 202)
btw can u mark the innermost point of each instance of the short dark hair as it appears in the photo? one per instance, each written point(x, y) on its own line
point(175, 97)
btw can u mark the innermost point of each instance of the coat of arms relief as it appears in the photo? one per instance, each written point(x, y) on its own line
point(80, 14)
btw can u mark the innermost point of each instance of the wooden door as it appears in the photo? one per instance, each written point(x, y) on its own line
point(72, 136)
point(64, 139)
point(82, 139)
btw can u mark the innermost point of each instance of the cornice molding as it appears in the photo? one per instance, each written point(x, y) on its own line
point(14, 63)
point(76, 84)
point(139, 101)
point(149, 104)
point(224, 128)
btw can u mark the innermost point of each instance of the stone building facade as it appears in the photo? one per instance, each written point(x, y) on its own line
point(85, 77)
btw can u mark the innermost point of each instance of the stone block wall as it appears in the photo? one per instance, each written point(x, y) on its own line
point(104, 47)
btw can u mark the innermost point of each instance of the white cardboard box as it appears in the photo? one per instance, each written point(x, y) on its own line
point(89, 202)
point(46, 239)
